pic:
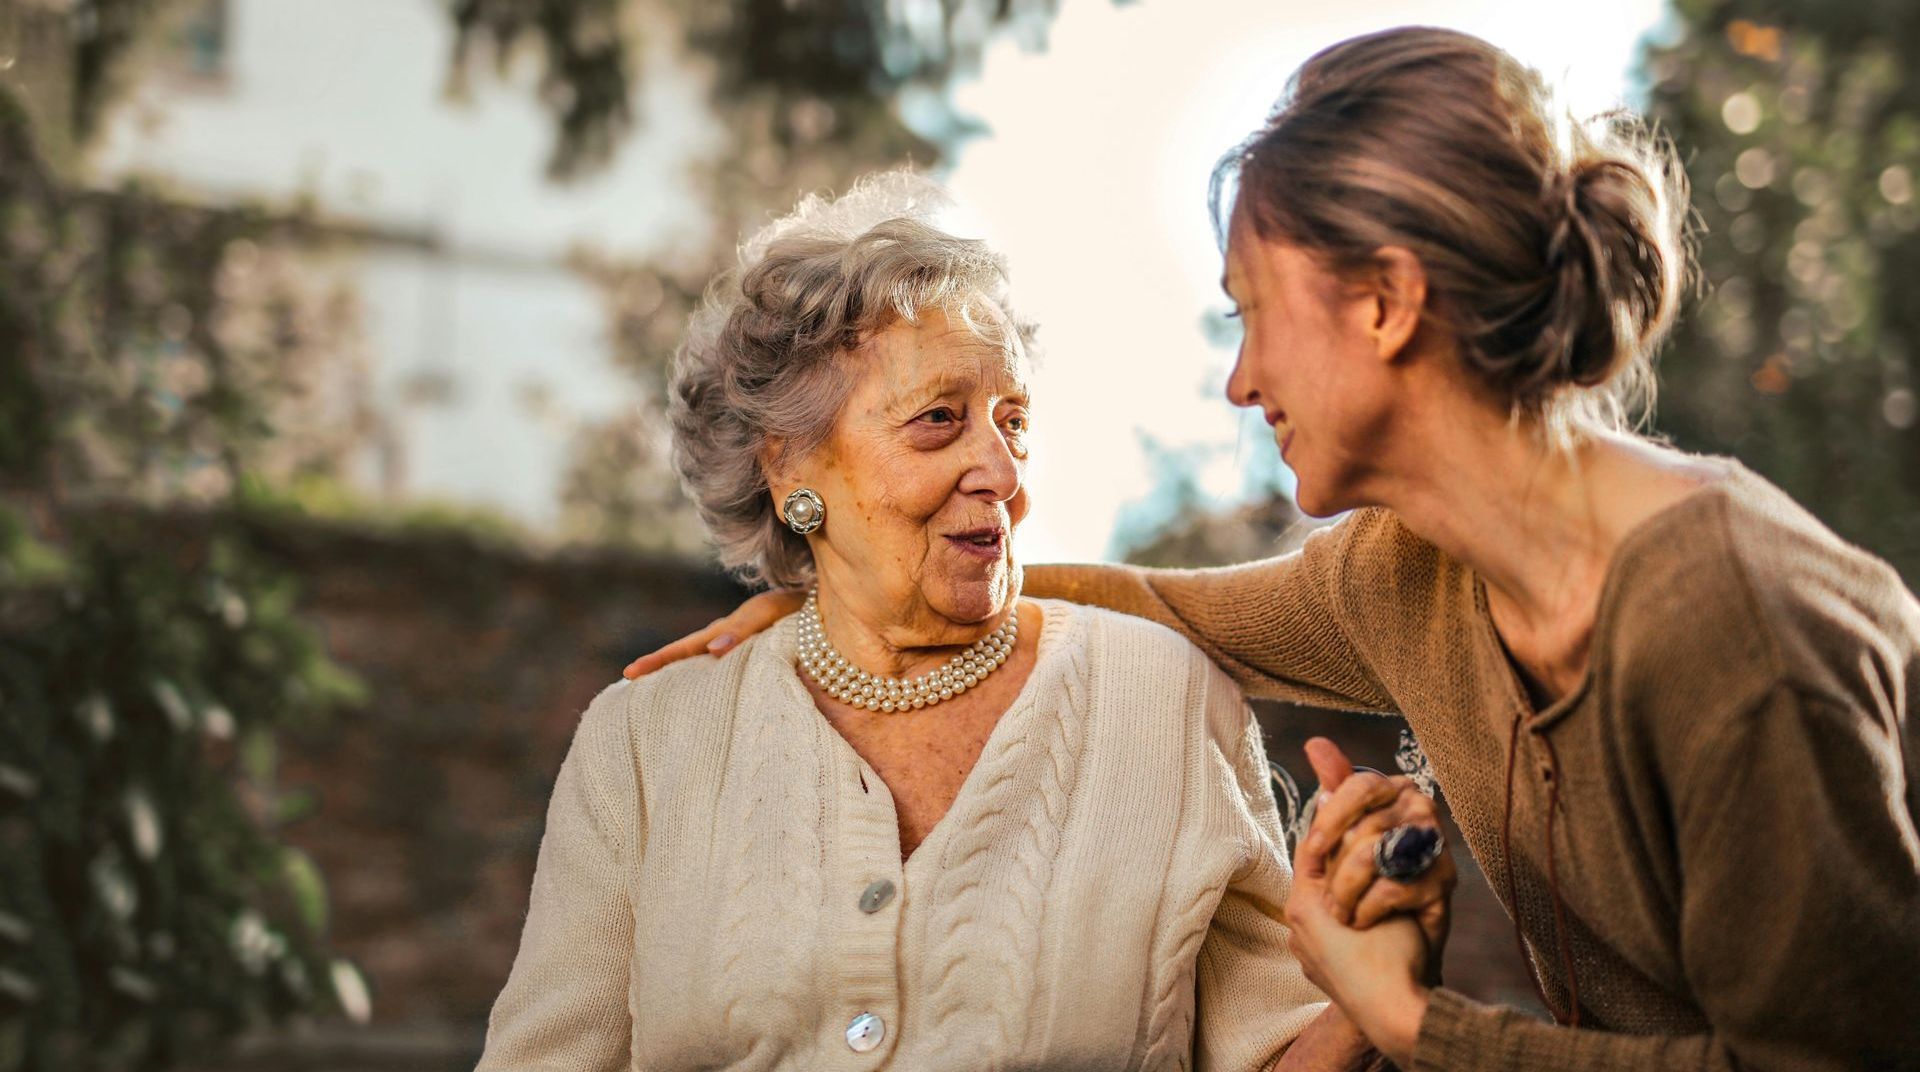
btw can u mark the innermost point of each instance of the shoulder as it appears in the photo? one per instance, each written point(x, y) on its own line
point(1123, 647)
point(688, 706)
point(1740, 590)
point(1828, 609)
point(1139, 664)
point(1385, 571)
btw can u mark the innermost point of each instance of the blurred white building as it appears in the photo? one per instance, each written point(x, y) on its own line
point(486, 348)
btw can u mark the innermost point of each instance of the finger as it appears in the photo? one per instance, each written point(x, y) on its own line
point(1435, 921)
point(1330, 765)
point(763, 610)
point(1358, 795)
point(1305, 907)
point(1416, 807)
point(684, 648)
point(1410, 808)
point(1350, 873)
point(1385, 896)
point(1309, 868)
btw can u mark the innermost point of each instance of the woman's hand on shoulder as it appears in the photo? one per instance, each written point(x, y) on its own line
point(723, 634)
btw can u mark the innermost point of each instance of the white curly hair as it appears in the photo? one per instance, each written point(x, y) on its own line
point(765, 357)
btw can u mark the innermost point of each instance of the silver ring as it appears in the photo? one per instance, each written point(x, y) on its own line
point(1407, 851)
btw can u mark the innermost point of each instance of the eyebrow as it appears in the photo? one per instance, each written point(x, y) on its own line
point(914, 394)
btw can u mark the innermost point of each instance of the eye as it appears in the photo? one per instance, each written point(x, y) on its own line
point(939, 415)
point(1017, 424)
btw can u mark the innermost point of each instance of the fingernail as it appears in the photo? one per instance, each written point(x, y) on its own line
point(720, 643)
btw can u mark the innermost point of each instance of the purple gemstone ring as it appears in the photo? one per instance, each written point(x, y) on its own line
point(1406, 852)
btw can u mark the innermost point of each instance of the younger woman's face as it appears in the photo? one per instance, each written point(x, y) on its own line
point(1310, 361)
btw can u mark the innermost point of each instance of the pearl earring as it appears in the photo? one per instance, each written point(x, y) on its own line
point(804, 510)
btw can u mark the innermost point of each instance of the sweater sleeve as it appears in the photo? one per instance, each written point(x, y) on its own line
point(1273, 625)
point(1251, 996)
point(1801, 874)
point(565, 1002)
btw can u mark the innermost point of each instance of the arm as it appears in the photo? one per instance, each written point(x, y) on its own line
point(1254, 1007)
point(565, 1002)
point(1273, 625)
point(1799, 917)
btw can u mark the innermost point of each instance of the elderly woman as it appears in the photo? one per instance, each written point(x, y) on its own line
point(925, 822)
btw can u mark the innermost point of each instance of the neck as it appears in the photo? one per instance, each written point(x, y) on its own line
point(1538, 524)
point(901, 646)
point(1526, 517)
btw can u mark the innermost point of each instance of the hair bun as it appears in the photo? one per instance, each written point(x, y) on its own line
point(1613, 260)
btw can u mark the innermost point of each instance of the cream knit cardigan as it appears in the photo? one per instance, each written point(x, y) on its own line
point(1105, 892)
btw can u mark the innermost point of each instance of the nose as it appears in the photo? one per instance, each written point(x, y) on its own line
point(1240, 388)
point(993, 472)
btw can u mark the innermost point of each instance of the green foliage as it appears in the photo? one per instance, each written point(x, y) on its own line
point(1800, 125)
point(843, 56)
point(147, 906)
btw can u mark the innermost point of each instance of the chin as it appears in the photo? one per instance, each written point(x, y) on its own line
point(1313, 501)
point(975, 598)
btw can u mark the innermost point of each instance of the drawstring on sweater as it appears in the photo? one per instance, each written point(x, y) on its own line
point(1560, 932)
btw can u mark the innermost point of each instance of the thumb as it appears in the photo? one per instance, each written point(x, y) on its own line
point(1329, 763)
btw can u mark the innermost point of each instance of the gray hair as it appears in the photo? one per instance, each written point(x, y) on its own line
point(768, 355)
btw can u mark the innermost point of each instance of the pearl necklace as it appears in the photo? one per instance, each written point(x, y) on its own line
point(870, 692)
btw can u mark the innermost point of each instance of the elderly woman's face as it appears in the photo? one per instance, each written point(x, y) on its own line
point(924, 478)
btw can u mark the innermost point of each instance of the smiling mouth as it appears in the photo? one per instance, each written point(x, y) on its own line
point(985, 543)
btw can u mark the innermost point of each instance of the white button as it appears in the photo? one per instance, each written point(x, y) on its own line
point(865, 1032)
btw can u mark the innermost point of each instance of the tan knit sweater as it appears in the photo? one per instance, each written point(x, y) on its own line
point(1105, 892)
point(1734, 831)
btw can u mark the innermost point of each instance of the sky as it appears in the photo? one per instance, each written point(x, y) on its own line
point(1093, 182)
point(1091, 179)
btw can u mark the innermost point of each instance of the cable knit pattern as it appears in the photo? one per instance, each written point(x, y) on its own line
point(992, 886)
point(771, 877)
point(1104, 893)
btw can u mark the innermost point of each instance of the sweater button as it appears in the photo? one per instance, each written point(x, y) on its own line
point(865, 1032)
point(876, 896)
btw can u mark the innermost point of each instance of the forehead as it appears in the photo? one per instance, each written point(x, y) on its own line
point(1275, 268)
point(943, 352)
point(1242, 245)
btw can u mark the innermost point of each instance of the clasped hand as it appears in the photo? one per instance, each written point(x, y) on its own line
point(1372, 943)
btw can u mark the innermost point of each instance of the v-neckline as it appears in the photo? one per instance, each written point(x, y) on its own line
point(1537, 718)
point(1053, 620)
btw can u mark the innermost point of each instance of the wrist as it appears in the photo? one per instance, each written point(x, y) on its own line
point(1393, 1026)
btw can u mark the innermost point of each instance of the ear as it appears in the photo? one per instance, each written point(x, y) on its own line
point(1400, 299)
point(777, 468)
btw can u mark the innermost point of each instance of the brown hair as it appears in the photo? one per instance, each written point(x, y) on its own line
point(1555, 252)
